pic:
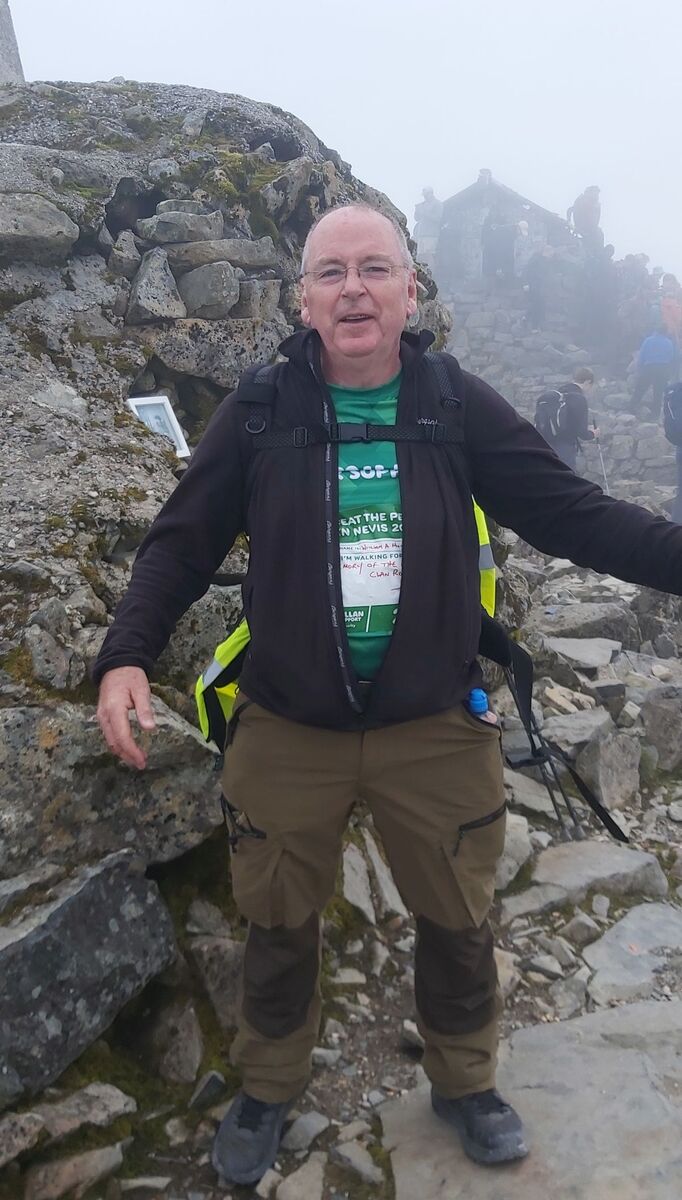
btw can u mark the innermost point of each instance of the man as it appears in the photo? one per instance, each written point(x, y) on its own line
point(427, 215)
point(333, 708)
point(575, 428)
point(586, 213)
point(656, 364)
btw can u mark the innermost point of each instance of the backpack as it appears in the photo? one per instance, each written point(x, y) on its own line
point(547, 415)
point(560, 415)
point(216, 688)
point(672, 414)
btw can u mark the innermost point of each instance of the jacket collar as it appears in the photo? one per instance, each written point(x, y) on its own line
point(304, 347)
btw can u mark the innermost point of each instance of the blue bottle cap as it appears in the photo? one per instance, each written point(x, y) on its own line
point(477, 701)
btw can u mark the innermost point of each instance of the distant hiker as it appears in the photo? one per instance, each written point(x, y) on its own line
point(354, 483)
point(562, 416)
point(586, 213)
point(427, 217)
point(598, 298)
point(672, 426)
point(537, 283)
point(656, 363)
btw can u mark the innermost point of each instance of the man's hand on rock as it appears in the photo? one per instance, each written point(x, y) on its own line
point(122, 690)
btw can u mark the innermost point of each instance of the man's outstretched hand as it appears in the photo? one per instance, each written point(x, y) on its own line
point(121, 691)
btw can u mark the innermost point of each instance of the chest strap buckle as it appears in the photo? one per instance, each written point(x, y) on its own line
point(349, 432)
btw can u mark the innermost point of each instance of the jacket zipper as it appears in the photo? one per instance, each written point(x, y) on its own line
point(478, 824)
point(334, 592)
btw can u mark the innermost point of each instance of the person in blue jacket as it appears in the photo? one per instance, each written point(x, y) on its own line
point(657, 358)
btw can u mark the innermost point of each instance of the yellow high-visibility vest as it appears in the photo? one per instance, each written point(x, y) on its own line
point(486, 563)
point(217, 686)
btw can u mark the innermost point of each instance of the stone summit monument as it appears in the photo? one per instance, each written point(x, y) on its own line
point(11, 70)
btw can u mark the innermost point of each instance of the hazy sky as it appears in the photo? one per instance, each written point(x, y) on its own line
point(550, 96)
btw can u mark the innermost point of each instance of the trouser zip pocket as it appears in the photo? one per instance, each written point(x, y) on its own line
point(480, 823)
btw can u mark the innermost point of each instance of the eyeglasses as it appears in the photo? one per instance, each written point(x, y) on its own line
point(369, 273)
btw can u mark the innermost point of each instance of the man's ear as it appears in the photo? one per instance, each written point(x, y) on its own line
point(412, 294)
point(305, 314)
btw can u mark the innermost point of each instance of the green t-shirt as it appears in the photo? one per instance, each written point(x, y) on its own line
point(370, 526)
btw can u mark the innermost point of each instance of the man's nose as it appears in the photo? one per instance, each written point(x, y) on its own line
point(353, 284)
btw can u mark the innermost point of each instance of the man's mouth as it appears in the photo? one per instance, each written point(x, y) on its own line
point(355, 318)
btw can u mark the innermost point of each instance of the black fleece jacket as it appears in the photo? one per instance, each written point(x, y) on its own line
point(286, 500)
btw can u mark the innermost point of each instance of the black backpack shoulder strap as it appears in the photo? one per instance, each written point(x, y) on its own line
point(258, 383)
point(257, 388)
point(452, 393)
point(450, 378)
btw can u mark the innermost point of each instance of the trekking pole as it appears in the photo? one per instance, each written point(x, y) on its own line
point(603, 468)
point(601, 459)
point(547, 768)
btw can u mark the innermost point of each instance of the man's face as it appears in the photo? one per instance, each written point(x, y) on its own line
point(356, 317)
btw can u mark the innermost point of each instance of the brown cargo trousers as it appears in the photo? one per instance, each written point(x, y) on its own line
point(435, 790)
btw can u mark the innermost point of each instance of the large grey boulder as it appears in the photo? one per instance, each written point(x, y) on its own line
point(625, 960)
point(600, 1099)
point(610, 764)
point(64, 798)
point(587, 620)
point(154, 295)
point(662, 719)
point(258, 299)
point(34, 229)
point(574, 730)
point(241, 252)
point(579, 867)
point(174, 226)
point(517, 851)
point(74, 962)
point(215, 350)
point(124, 257)
point(210, 292)
point(527, 795)
point(585, 654)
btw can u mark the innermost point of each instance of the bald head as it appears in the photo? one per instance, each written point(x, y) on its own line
point(348, 219)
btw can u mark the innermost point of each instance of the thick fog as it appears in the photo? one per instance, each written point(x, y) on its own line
point(550, 97)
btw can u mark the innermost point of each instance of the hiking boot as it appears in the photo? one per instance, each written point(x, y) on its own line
point(490, 1130)
point(248, 1138)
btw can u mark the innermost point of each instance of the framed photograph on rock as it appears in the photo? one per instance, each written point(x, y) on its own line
point(156, 412)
